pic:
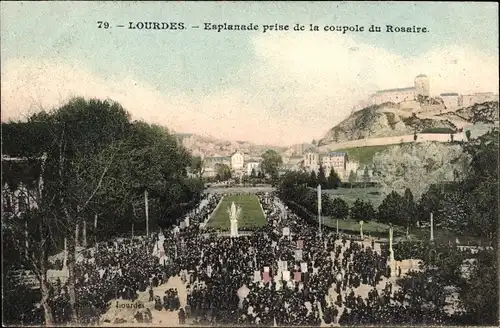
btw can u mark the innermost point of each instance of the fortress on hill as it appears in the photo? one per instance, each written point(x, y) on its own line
point(410, 97)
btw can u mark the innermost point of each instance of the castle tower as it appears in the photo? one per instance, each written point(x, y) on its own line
point(422, 85)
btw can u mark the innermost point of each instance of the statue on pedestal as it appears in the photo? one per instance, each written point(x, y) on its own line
point(361, 229)
point(234, 213)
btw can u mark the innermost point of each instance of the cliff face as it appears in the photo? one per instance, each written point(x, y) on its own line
point(380, 121)
point(479, 113)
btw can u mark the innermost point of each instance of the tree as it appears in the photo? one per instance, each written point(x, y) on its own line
point(352, 178)
point(340, 209)
point(362, 211)
point(75, 138)
point(409, 209)
point(313, 180)
point(197, 166)
point(429, 202)
point(415, 136)
point(271, 162)
point(479, 290)
point(252, 174)
point(333, 179)
point(98, 162)
point(223, 172)
point(366, 176)
point(322, 177)
point(391, 210)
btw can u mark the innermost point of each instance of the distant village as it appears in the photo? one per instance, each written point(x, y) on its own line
point(245, 165)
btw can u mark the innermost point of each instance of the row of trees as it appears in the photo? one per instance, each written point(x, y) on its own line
point(96, 163)
point(294, 187)
point(333, 180)
point(467, 206)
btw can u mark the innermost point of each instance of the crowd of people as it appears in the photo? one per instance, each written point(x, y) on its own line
point(284, 273)
point(251, 263)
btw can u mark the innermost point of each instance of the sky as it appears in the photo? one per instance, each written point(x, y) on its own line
point(277, 87)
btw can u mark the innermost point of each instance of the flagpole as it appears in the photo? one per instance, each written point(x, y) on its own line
point(432, 226)
point(147, 211)
point(95, 229)
point(319, 208)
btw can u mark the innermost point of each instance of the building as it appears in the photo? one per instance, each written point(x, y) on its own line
point(350, 167)
point(252, 166)
point(214, 160)
point(399, 95)
point(477, 98)
point(237, 161)
point(335, 160)
point(450, 100)
point(311, 161)
point(338, 161)
point(21, 185)
point(210, 164)
point(422, 87)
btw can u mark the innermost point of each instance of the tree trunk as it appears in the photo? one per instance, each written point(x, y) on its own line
point(44, 284)
point(47, 309)
point(71, 282)
point(71, 278)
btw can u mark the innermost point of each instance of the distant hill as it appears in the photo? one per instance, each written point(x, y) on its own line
point(209, 146)
point(385, 120)
point(479, 113)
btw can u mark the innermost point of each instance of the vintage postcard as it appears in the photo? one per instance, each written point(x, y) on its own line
point(249, 163)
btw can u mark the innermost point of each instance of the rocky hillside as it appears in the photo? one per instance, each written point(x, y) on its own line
point(479, 113)
point(209, 146)
point(381, 121)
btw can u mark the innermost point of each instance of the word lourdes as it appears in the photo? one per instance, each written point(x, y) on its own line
point(129, 305)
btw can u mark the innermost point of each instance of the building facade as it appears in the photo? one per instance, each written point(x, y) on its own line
point(252, 166)
point(311, 161)
point(476, 98)
point(237, 161)
point(422, 85)
point(450, 100)
point(338, 161)
point(21, 185)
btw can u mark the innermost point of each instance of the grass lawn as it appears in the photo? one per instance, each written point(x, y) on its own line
point(371, 194)
point(251, 213)
point(374, 228)
point(364, 155)
point(441, 236)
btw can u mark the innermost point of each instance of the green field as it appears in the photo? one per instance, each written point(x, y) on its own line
point(369, 227)
point(251, 213)
point(371, 194)
point(364, 155)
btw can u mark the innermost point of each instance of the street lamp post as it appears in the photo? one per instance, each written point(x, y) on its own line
point(319, 208)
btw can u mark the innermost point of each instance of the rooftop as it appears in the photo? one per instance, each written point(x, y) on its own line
point(337, 154)
point(217, 157)
point(449, 94)
point(421, 75)
point(396, 89)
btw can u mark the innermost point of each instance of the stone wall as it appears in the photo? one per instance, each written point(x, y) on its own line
point(422, 137)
